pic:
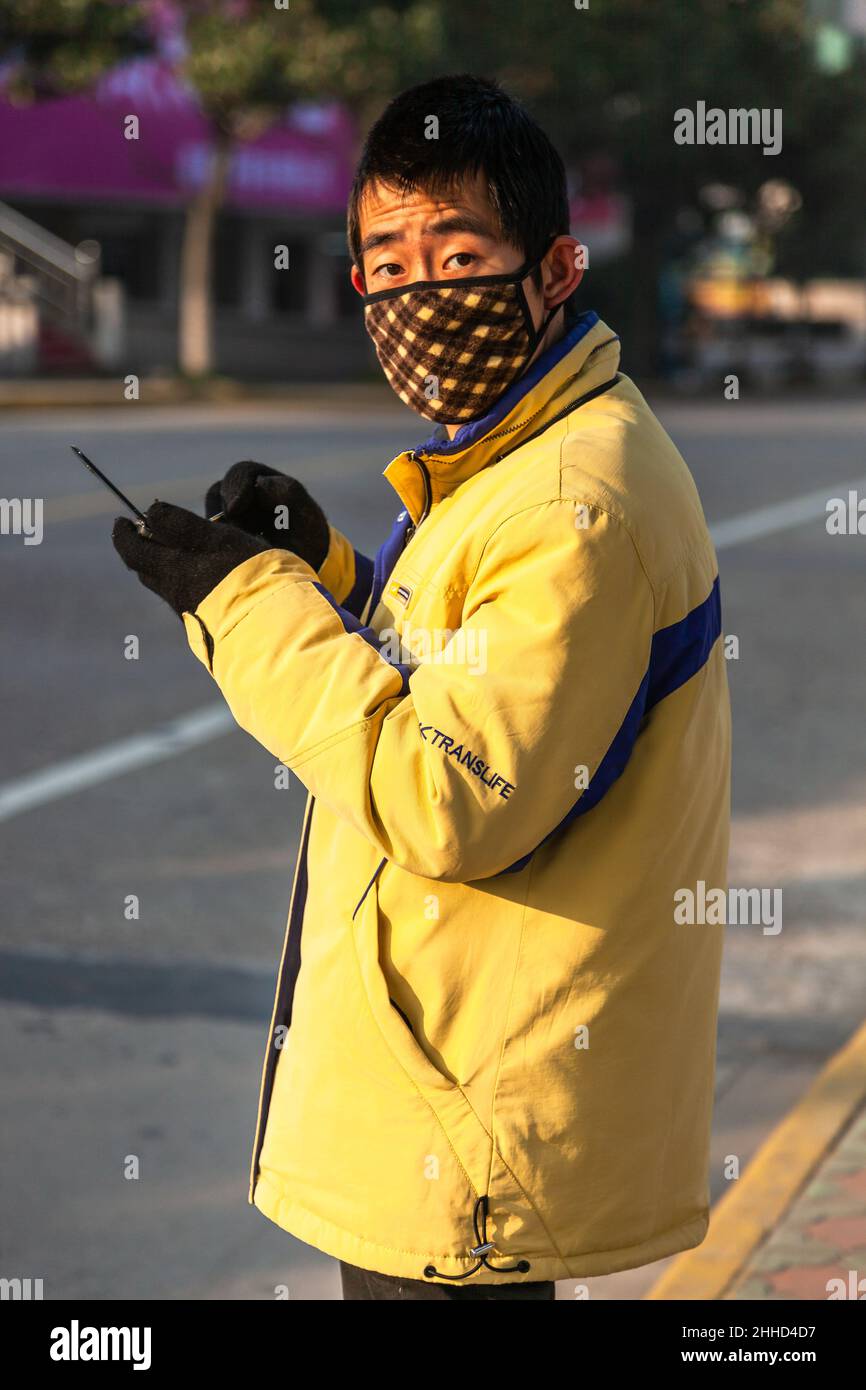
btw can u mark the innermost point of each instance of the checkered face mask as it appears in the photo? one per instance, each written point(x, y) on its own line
point(451, 348)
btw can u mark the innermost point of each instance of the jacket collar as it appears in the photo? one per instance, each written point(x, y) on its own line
point(583, 358)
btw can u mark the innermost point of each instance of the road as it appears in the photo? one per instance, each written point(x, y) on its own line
point(138, 1040)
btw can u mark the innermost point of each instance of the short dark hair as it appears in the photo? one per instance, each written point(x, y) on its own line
point(482, 130)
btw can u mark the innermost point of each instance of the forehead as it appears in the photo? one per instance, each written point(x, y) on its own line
point(383, 206)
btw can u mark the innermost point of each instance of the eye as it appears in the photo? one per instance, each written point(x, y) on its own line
point(461, 260)
point(389, 271)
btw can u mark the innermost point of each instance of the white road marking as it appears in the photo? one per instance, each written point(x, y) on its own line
point(87, 770)
point(781, 516)
point(190, 730)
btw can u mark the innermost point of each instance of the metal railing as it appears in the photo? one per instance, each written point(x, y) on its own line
point(62, 276)
point(46, 282)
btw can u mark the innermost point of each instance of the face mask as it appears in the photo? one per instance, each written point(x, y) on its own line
point(451, 348)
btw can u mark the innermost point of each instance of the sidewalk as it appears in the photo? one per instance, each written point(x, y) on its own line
point(793, 1225)
point(63, 393)
point(822, 1237)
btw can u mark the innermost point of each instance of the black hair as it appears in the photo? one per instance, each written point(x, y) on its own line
point(482, 130)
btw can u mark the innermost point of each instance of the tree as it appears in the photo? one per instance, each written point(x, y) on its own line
point(58, 47)
point(247, 60)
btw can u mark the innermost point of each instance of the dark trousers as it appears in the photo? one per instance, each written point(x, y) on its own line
point(366, 1284)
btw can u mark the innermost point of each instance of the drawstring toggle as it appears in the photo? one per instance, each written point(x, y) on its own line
point(480, 1250)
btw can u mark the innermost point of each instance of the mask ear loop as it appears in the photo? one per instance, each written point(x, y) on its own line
point(534, 334)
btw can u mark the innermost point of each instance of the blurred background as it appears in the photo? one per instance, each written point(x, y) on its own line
point(154, 157)
point(154, 153)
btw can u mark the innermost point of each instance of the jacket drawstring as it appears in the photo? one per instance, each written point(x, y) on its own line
point(481, 1249)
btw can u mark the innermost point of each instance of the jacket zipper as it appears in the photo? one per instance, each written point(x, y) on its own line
point(566, 410)
point(510, 429)
point(270, 1062)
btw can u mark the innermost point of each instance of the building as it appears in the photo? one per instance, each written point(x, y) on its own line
point(112, 174)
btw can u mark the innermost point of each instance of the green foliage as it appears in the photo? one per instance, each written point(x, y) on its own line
point(247, 59)
point(64, 46)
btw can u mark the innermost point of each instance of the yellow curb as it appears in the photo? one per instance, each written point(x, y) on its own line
point(755, 1203)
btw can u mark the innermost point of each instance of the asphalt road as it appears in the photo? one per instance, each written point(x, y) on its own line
point(143, 1038)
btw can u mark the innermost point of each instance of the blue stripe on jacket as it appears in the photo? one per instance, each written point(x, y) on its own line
point(357, 596)
point(351, 624)
point(387, 556)
point(676, 654)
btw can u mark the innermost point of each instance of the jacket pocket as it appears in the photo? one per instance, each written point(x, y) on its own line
point(392, 1023)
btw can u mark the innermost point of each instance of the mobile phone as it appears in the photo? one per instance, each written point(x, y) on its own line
point(109, 484)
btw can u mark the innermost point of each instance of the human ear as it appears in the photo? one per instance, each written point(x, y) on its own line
point(562, 270)
point(358, 280)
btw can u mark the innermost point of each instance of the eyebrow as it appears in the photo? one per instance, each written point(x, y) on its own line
point(441, 226)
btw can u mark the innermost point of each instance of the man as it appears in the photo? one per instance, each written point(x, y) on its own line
point(492, 1050)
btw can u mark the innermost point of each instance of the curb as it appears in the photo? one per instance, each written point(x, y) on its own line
point(17, 393)
point(746, 1215)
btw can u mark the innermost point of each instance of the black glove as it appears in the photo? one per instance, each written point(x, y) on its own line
point(185, 557)
point(250, 494)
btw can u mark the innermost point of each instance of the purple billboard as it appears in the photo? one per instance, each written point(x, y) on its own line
point(77, 147)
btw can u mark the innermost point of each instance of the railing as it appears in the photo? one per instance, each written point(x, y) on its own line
point(45, 280)
point(63, 275)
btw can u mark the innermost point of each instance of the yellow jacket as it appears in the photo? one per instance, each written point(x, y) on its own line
point(489, 1030)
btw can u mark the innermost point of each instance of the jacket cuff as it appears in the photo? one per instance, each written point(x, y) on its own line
point(235, 596)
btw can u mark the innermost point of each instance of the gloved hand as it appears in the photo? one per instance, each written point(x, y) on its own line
point(250, 494)
point(185, 557)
